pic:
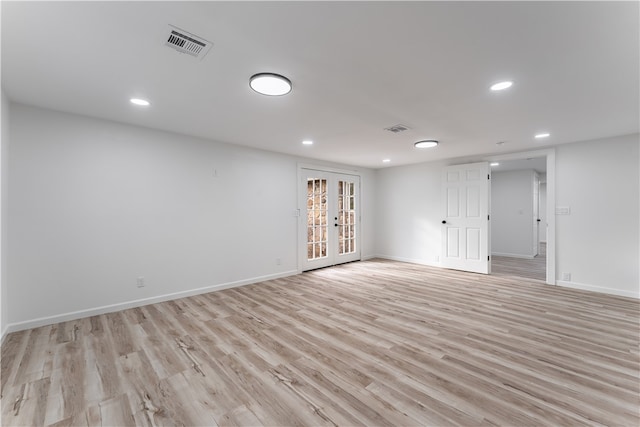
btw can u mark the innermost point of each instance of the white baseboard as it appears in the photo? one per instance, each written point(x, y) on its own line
point(42, 321)
point(610, 291)
point(409, 260)
point(512, 255)
point(5, 331)
point(34, 323)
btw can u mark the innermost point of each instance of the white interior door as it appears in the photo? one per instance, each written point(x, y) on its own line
point(330, 225)
point(465, 227)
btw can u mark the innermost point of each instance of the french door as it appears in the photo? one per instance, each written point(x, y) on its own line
point(330, 220)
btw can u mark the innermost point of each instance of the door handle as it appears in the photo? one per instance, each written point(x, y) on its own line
point(444, 222)
point(335, 225)
point(538, 219)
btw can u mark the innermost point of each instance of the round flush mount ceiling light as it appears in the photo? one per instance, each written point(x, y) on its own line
point(542, 135)
point(307, 142)
point(502, 85)
point(386, 160)
point(427, 143)
point(494, 164)
point(270, 84)
point(139, 101)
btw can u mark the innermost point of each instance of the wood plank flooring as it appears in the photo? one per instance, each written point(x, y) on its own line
point(368, 343)
point(535, 268)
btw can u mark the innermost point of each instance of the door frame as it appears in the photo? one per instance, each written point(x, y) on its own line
point(550, 154)
point(300, 212)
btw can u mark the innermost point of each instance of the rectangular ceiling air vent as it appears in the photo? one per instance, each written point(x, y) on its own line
point(397, 128)
point(185, 42)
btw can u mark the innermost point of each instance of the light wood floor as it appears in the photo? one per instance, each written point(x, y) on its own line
point(535, 268)
point(368, 343)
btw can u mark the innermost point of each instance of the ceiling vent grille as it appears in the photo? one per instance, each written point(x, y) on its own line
point(185, 42)
point(397, 128)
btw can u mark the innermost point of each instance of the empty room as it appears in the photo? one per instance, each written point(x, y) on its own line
point(320, 213)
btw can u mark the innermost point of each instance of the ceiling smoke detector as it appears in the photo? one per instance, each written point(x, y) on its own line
point(185, 42)
point(397, 128)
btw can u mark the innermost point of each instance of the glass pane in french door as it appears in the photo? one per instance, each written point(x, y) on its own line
point(346, 218)
point(317, 218)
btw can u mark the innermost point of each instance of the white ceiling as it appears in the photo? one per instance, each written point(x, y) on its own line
point(356, 68)
point(539, 164)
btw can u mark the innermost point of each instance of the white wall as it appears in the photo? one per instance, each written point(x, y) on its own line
point(598, 242)
point(512, 213)
point(409, 213)
point(95, 204)
point(4, 143)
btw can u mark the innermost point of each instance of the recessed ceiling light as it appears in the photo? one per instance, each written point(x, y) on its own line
point(307, 142)
point(501, 142)
point(138, 101)
point(270, 84)
point(427, 143)
point(494, 164)
point(386, 160)
point(542, 135)
point(502, 85)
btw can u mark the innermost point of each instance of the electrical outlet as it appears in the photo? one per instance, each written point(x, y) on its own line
point(278, 261)
point(436, 258)
point(140, 282)
point(566, 277)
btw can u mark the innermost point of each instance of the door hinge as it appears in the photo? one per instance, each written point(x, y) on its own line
point(488, 217)
point(488, 258)
point(488, 176)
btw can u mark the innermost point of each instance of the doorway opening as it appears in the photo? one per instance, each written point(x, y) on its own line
point(522, 216)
